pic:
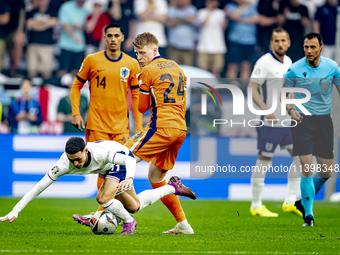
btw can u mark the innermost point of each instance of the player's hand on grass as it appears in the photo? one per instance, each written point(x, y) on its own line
point(296, 116)
point(126, 184)
point(11, 217)
point(78, 122)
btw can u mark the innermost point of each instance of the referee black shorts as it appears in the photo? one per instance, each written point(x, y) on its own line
point(314, 135)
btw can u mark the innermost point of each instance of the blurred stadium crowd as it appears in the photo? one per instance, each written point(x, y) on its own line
point(43, 43)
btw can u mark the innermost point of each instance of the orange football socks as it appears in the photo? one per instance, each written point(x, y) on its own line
point(171, 202)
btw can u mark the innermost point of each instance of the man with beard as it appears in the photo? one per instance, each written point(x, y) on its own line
point(265, 81)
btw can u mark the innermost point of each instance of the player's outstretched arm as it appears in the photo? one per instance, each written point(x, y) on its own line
point(12, 216)
point(45, 182)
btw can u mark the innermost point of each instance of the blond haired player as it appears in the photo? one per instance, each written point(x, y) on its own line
point(110, 73)
point(162, 87)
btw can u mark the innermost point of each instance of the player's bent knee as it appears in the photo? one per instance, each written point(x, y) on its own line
point(132, 209)
point(102, 199)
point(99, 199)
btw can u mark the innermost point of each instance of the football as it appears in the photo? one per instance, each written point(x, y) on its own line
point(103, 223)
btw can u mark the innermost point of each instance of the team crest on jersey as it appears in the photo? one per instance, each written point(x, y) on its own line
point(258, 71)
point(325, 86)
point(124, 72)
point(55, 170)
point(325, 83)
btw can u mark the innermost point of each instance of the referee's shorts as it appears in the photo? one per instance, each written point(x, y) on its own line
point(314, 135)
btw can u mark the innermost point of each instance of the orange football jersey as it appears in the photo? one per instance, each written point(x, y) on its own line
point(165, 81)
point(109, 81)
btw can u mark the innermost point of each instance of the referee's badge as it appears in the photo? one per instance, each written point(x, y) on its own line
point(325, 86)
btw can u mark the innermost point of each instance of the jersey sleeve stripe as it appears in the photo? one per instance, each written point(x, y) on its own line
point(144, 91)
point(50, 177)
point(80, 79)
point(134, 87)
point(154, 102)
point(113, 158)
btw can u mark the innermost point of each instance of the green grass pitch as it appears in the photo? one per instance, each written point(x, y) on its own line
point(221, 227)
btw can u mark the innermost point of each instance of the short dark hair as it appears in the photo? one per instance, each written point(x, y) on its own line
point(23, 81)
point(279, 30)
point(74, 145)
point(114, 25)
point(314, 35)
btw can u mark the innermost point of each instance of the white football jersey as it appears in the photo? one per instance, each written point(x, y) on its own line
point(101, 156)
point(268, 72)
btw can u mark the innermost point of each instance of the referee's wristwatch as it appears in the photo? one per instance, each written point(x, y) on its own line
point(289, 110)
